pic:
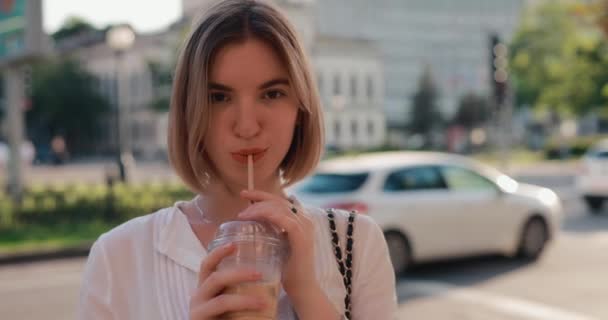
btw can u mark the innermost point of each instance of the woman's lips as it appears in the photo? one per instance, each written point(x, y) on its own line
point(242, 158)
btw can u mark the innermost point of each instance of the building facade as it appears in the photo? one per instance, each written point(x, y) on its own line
point(350, 81)
point(128, 81)
point(452, 37)
point(368, 57)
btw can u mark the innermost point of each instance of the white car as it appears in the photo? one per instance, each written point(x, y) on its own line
point(435, 206)
point(593, 180)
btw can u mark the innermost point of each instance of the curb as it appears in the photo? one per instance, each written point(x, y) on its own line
point(43, 255)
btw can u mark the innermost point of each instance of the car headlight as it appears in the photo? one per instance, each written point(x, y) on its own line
point(547, 197)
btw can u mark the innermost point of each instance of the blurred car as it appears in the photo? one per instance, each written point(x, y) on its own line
point(435, 206)
point(592, 182)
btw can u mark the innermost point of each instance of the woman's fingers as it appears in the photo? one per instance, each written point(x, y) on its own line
point(226, 303)
point(220, 280)
point(210, 299)
point(280, 217)
point(210, 263)
point(280, 211)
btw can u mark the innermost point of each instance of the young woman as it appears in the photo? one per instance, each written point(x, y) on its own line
point(243, 86)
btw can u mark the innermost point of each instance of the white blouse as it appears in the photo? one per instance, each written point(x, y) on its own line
point(147, 268)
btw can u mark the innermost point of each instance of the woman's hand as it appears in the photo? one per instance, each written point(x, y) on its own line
point(299, 270)
point(298, 279)
point(209, 301)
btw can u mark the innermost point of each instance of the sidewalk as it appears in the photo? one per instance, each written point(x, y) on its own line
point(427, 308)
point(45, 254)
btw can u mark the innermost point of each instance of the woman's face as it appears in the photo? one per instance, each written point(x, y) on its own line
point(253, 111)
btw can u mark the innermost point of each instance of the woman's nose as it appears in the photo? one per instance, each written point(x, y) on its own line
point(247, 124)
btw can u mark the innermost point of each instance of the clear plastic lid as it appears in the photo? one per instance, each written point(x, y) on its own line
point(247, 231)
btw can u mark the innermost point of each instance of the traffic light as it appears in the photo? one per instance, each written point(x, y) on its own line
point(499, 68)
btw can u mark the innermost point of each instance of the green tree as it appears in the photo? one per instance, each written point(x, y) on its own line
point(65, 101)
point(558, 63)
point(71, 27)
point(425, 115)
point(473, 111)
point(161, 82)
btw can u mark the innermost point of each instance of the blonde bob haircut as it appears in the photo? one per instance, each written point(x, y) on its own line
point(230, 21)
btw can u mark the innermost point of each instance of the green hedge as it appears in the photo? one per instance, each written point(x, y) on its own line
point(571, 148)
point(58, 205)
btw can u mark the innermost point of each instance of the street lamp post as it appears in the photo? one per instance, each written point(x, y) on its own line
point(120, 39)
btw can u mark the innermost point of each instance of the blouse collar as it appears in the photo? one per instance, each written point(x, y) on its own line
point(177, 241)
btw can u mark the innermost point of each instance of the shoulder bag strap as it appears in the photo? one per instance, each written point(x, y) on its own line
point(345, 265)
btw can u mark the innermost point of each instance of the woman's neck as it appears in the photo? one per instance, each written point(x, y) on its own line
point(222, 202)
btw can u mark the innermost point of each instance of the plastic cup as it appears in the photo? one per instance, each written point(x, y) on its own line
point(259, 246)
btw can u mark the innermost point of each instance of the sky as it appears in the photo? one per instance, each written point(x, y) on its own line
point(143, 15)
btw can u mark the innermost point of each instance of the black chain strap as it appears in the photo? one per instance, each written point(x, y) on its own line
point(345, 265)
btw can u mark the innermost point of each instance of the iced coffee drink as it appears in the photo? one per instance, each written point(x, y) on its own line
point(268, 291)
point(261, 247)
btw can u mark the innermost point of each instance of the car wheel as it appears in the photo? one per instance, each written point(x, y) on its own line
point(595, 204)
point(533, 239)
point(399, 251)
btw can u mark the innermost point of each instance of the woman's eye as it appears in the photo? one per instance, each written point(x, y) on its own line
point(218, 97)
point(273, 94)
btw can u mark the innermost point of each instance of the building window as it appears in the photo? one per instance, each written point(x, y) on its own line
point(353, 86)
point(134, 86)
point(354, 128)
point(337, 130)
point(370, 128)
point(136, 131)
point(337, 90)
point(370, 87)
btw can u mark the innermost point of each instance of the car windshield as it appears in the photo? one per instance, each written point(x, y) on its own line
point(333, 183)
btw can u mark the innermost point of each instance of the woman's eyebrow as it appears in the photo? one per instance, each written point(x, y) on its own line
point(217, 86)
point(265, 85)
point(274, 82)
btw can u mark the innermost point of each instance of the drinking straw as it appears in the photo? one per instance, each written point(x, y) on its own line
point(250, 172)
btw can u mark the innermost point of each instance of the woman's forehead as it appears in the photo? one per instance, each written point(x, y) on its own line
point(251, 61)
